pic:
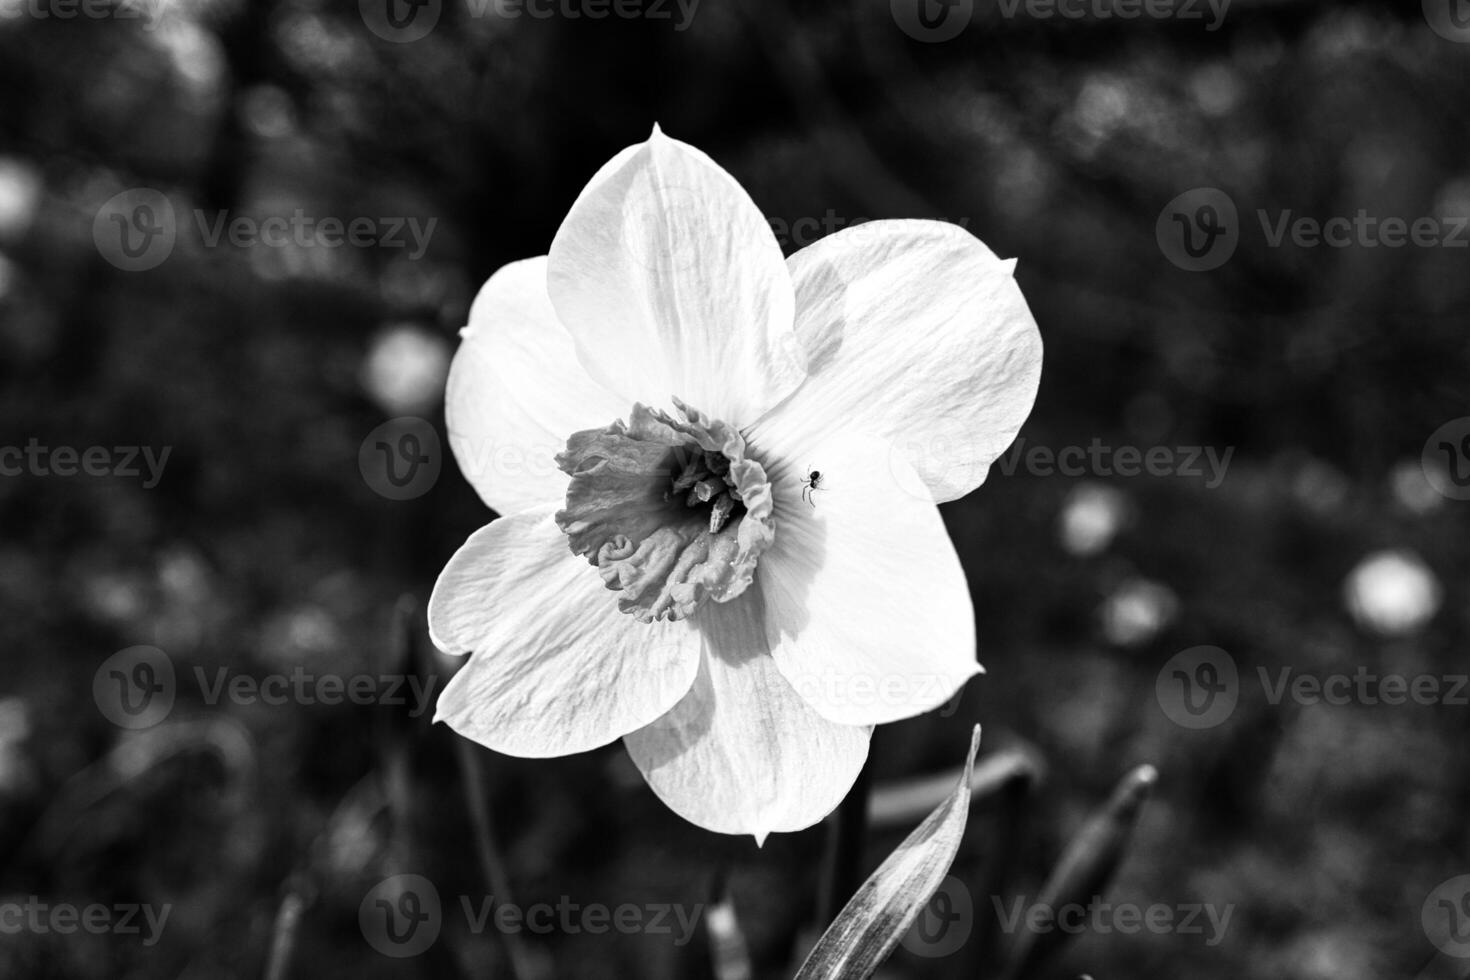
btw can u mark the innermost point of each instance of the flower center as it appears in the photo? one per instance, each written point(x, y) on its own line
point(670, 511)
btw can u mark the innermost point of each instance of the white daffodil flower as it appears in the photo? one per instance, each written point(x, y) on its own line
point(718, 471)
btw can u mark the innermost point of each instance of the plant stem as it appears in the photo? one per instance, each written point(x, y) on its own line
point(522, 967)
point(283, 934)
point(844, 859)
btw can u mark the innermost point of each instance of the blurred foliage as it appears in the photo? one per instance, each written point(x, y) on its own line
point(1056, 141)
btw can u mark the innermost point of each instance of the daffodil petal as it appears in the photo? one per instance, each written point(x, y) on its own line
point(673, 285)
point(916, 332)
point(867, 610)
point(554, 667)
point(741, 753)
point(516, 391)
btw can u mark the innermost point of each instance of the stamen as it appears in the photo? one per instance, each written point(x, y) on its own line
point(670, 511)
point(720, 512)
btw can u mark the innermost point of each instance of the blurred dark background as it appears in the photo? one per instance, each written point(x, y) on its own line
point(264, 545)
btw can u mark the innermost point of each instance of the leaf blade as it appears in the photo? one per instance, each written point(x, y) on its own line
point(871, 924)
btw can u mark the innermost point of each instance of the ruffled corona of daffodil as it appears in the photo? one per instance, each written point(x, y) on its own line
point(718, 472)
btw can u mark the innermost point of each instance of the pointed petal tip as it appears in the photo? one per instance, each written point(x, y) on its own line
point(974, 747)
point(659, 141)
